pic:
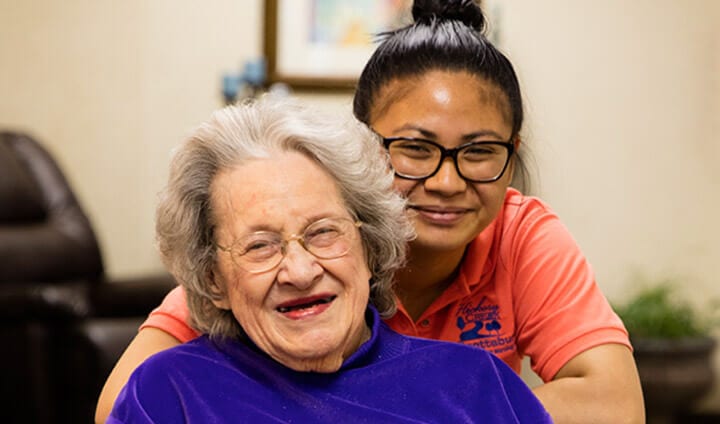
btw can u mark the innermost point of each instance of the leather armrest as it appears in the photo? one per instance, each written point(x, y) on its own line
point(77, 299)
point(28, 301)
point(130, 297)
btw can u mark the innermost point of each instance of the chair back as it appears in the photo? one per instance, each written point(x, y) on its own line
point(44, 234)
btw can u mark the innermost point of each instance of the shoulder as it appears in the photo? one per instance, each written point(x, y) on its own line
point(161, 365)
point(450, 361)
point(156, 389)
point(519, 208)
point(183, 369)
point(464, 372)
point(438, 350)
point(527, 224)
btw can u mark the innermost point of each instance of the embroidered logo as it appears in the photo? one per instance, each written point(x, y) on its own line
point(480, 325)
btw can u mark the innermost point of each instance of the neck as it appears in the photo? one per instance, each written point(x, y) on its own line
point(427, 274)
point(327, 362)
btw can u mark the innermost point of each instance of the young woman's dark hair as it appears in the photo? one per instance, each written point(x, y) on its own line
point(446, 35)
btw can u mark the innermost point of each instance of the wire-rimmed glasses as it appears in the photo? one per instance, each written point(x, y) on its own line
point(419, 159)
point(261, 251)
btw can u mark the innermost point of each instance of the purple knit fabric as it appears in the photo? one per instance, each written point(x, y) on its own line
point(391, 379)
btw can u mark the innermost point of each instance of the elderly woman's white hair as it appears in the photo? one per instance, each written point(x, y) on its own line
point(345, 148)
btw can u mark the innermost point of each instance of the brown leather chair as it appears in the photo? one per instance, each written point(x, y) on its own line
point(63, 324)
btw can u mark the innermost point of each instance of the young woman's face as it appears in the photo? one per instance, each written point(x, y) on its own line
point(451, 109)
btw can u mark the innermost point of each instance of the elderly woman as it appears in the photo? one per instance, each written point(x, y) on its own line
point(282, 227)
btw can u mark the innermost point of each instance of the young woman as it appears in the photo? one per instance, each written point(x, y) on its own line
point(490, 267)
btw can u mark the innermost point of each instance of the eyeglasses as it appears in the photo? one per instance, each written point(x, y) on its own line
point(419, 159)
point(261, 251)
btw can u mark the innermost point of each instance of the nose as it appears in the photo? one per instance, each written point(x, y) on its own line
point(446, 180)
point(299, 267)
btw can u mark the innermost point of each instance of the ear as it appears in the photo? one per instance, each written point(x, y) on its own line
point(222, 303)
point(217, 288)
point(511, 167)
point(517, 142)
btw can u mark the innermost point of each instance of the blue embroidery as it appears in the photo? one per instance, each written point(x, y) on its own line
point(480, 326)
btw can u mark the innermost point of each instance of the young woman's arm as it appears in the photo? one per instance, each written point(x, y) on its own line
point(147, 342)
point(167, 326)
point(577, 344)
point(600, 385)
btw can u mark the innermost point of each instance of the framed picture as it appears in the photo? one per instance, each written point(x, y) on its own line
point(324, 44)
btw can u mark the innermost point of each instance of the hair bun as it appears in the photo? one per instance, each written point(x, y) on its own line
point(465, 11)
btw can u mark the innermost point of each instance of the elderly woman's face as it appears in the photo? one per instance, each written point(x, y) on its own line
point(306, 312)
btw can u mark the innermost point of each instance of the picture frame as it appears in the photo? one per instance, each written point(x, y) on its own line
point(324, 44)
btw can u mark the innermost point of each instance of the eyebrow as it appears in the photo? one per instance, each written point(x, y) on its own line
point(466, 137)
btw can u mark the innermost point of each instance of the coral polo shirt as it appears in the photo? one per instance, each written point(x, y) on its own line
point(524, 288)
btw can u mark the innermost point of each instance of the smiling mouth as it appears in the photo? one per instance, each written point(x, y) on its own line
point(305, 305)
point(440, 216)
point(439, 210)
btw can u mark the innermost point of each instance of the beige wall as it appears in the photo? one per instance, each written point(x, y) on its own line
point(624, 118)
point(622, 112)
point(623, 101)
point(110, 87)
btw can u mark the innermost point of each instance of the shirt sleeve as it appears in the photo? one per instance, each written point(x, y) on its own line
point(172, 316)
point(559, 308)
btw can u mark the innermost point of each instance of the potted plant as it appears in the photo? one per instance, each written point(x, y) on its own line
point(673, 349)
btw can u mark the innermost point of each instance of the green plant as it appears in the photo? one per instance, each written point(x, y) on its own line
point(656, 312)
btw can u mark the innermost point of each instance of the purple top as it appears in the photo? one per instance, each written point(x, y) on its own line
point(391, 379)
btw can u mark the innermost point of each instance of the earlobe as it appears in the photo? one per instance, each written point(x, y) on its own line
point(220, 297)
point(222, 303)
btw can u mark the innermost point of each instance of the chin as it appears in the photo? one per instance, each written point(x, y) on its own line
point(316, 345)
point(313, 357)
point(440, 243)
point(444, 238)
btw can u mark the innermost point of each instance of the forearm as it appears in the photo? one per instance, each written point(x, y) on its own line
point(598, 386)
point(148, 342)
point(576, 400)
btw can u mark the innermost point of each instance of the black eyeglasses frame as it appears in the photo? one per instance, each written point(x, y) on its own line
point(453, 153)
